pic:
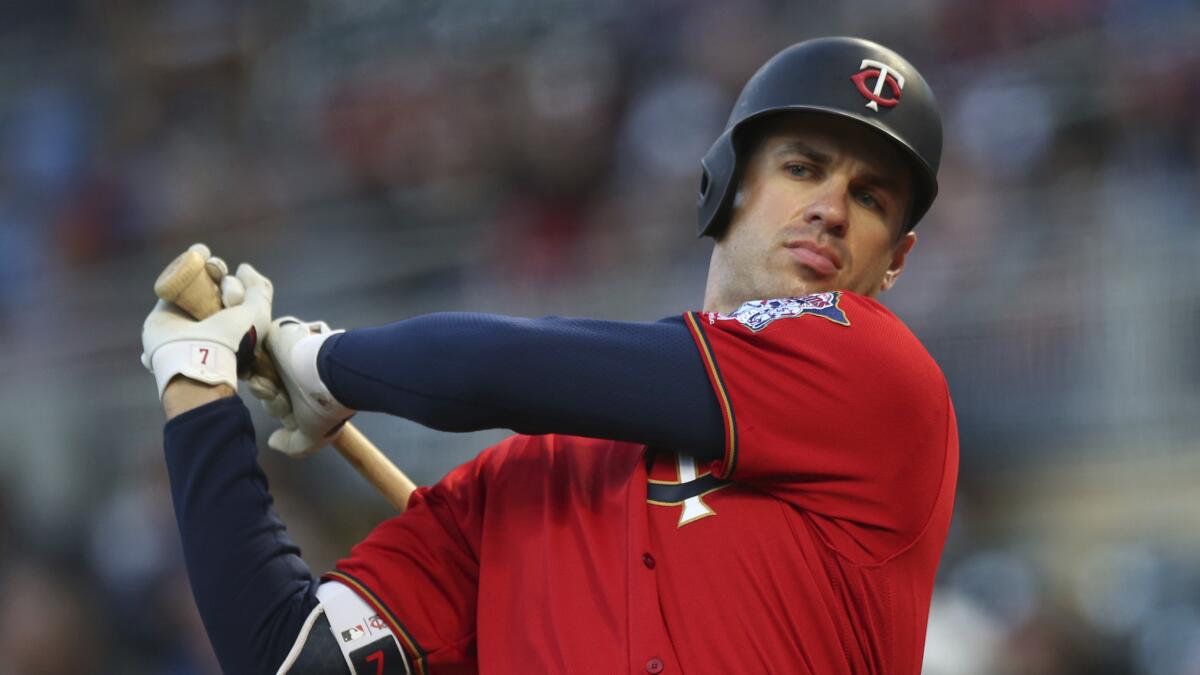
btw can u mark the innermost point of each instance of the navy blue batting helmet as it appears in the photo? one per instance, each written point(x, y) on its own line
point(849, 77)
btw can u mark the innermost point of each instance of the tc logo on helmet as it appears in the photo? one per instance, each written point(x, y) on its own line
point(882, 73)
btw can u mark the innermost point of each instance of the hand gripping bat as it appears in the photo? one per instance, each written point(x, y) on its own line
point(185, 283)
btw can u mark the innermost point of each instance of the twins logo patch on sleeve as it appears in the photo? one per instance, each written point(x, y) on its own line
point(364, 637)
point(758, 314)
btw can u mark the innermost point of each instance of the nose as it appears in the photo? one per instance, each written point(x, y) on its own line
point(828, 208)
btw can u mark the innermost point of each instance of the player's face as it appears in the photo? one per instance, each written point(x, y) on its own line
point(821, 207)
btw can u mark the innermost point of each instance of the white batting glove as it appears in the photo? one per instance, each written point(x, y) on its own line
point(311, 416)
point(174, 343)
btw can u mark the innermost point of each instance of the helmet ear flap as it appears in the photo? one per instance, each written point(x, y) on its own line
point(716, 178)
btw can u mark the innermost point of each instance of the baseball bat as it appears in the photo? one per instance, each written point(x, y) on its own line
point(186, 284)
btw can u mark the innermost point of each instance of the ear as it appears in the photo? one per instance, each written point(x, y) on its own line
point(899, 254)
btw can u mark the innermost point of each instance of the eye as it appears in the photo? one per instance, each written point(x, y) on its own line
point(868, 200)
point(798, 170)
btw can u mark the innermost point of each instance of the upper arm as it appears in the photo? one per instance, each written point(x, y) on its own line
point(831, 404)
point(316, 650)
point(624, 381)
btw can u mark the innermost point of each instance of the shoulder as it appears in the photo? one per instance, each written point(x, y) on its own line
point(831, 310)
point(756, 316)
point(835, 324)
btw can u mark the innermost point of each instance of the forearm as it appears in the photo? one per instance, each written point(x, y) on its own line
point(641, 382)
point(250, 584)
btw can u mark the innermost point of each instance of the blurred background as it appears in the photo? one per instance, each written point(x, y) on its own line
point(380, 159)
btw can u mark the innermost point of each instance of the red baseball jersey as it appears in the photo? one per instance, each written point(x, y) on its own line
point(811, 547)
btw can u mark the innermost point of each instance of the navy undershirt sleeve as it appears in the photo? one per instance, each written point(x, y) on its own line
point(250, 585)
point(639, 382)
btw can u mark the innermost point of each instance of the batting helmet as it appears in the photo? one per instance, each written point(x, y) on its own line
point(848, 77)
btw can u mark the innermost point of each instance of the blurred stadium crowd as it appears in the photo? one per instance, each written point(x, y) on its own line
point(382, 159)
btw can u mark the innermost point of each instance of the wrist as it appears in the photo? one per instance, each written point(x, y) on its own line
point(182, 394)
point(305, 357)
point(203, 361)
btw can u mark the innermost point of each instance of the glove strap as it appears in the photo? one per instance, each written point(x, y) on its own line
point(308, 380)
point(200, 360)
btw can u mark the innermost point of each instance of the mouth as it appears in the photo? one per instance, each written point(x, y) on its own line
point(820, 259)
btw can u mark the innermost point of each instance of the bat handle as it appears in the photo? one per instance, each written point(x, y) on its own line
point(186, 284)
point(362, 454)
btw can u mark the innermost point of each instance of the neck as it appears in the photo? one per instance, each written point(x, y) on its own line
point(716, 290)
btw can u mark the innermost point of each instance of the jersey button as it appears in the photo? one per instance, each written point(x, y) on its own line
point(654, 666)
point(648, 561)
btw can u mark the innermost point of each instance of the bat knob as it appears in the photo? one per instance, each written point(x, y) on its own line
point(186, 284)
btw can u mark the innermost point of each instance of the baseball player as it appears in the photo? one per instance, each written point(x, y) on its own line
point(764, 486)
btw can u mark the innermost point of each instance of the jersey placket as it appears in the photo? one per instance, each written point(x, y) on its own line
point(650, 648)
